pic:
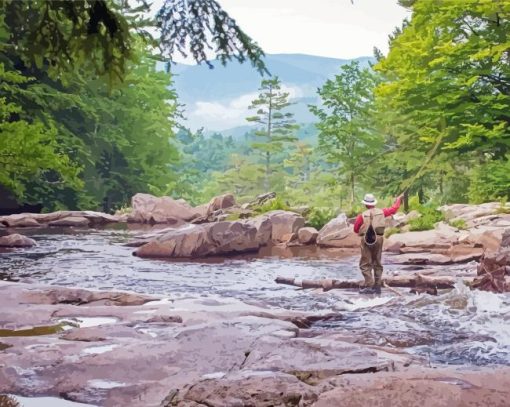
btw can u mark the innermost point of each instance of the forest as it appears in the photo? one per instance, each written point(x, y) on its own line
point(87, 120)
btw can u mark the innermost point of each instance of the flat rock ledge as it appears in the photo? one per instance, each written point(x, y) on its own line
point(117, 348)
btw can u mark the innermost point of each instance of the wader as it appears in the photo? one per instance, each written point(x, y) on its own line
point(371, 259)
point(371, 251)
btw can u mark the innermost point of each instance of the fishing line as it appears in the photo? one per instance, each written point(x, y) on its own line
point(427, 161)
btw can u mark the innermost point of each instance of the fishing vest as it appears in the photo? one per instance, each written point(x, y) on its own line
point(376, 216)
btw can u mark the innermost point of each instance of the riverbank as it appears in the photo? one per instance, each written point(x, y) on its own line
point(129, 349)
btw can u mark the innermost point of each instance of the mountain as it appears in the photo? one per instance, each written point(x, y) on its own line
point(218, 99)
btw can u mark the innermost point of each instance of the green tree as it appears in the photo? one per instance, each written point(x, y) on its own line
point(346, 135)
point(276, 127)
point(101, 35)
point(447, 75)
point(29, 148)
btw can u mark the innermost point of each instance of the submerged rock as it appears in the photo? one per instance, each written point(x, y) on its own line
point(16, 240)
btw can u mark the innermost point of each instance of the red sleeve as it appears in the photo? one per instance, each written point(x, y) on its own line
point(358, 223)
point(393, 210)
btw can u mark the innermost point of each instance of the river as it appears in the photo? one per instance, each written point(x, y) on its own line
point(456, 327)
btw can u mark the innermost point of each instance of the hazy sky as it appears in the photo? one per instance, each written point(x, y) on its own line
point(333, 28)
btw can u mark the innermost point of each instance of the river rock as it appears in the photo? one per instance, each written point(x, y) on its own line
point(442, 386)
point(338, 233)
point(400, 220)
point(284, 223)
point(308, 235)
point(494, 267)
point(488, 237)
point(147, 208)
point(76, 221)
point(426, 240)
point(16, 240)
point(220, 202)
point(264, 228)
point(19, 221)
point(41, 219)
point(203, 240)
point(470, 212)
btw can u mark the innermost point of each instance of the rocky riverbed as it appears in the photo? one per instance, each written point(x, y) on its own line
point(222, 333)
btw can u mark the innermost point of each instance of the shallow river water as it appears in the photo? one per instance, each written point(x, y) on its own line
point(456, 327)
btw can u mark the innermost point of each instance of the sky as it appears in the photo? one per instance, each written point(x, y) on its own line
point(333, 28)
point(341, 29)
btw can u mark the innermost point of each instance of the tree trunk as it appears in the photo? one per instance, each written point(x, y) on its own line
point(268, 172)
point(267, 184)
point(421, 195)
point(406, 201)
point(411, 281)
point(352, 190)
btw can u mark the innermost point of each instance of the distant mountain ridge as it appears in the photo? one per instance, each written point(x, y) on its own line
point(217, 99)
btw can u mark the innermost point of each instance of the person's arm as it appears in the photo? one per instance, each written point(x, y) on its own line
point(358, 223)
point(394, 209)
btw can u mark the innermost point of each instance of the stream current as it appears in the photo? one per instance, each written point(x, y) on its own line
point(459, 326)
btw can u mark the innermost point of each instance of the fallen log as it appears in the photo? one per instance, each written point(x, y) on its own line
point(411, 281)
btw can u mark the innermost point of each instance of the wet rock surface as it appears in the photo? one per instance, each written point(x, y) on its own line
point(148, 350)
point(59, 218)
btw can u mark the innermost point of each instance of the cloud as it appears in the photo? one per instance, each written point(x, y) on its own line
point(221, 115)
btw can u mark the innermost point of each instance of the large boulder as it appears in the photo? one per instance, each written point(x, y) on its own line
point(147, 208)
point(338, 233)
point(16, 240)
point(203, 240)
point(284, 223)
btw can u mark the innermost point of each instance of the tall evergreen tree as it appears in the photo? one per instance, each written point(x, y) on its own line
point(276, 127)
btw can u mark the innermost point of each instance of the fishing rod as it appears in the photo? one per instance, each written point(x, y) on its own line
point(409, 183)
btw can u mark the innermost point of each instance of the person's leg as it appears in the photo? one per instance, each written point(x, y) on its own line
point(376, 261)
point(365, 264)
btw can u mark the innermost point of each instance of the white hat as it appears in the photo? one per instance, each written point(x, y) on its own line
point(369, 200)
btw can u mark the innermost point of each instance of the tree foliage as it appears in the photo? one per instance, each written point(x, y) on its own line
point(447, 75)
point(346, 135)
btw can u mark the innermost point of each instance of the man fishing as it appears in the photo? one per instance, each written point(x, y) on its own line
point(370, 226)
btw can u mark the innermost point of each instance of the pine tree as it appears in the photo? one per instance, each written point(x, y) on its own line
point(276, 127)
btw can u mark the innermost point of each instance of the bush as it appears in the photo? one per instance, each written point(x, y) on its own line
point(503, 207)
point(429, 217)
point(391, 231)
point(458, 223)
point(272, 205)
point(318, 217)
